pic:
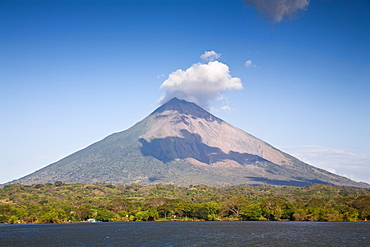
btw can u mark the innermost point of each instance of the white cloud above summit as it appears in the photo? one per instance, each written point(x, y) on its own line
point(202, 83)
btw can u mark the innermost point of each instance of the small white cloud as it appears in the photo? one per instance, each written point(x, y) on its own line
point(201, 83)
point(226, 108)
point(210, 56)
point(248, 63)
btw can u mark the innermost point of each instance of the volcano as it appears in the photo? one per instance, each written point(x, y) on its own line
point(182, 144)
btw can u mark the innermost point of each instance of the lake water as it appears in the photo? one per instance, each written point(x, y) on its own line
point(177, 233)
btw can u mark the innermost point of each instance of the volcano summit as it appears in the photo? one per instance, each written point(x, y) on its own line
point(183, 144)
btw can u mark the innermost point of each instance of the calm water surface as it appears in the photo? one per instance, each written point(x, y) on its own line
point(241, 233)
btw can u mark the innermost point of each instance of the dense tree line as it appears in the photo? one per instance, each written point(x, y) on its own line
point(59, 202)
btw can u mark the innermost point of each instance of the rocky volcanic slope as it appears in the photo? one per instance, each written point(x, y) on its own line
point(183, 144)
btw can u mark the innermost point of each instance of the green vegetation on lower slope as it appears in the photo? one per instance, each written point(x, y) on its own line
point(59, 202)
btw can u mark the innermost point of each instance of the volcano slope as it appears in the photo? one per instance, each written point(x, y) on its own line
point(182, 144)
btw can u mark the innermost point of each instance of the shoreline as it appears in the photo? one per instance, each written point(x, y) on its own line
point(87, 222)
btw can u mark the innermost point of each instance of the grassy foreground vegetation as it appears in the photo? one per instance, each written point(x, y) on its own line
point(59, 202)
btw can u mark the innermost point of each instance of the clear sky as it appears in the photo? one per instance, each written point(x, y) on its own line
point(73, 72)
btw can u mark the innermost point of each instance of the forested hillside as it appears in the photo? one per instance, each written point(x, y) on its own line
point(59, 202)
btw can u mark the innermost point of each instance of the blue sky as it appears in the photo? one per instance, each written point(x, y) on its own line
point(73, 72)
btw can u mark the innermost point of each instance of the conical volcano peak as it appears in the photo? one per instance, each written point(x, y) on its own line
point(186, 108)
point(181, 143)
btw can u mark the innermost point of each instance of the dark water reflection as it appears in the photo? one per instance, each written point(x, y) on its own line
point(188, 234)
